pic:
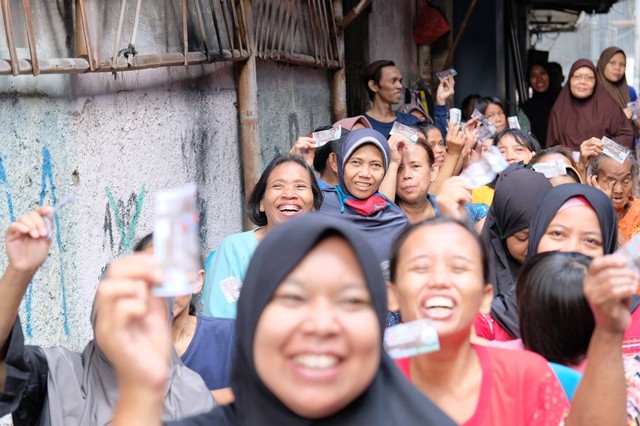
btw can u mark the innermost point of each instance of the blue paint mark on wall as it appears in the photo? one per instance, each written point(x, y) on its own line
point(4, 186)
point(47, 178)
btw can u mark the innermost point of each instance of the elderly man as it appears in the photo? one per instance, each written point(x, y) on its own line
point(617, 180)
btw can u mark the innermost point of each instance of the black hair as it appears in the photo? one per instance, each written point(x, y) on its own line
point(253, 203)
point(406, 233)
point(373, 71)
point(558, 149)
point(322, 153)
point(424, 129)
point(483, 103)
point(521, 138)
point(555, 318)
point(143, 243)
point(465, 106)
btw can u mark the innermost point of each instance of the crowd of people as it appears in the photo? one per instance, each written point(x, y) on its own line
point(521, 278)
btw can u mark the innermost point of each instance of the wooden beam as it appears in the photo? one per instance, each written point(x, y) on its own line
point(248, 112)
point(11, 43)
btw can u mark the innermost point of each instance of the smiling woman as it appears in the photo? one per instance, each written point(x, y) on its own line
point(439, 270)
point(362, 163)
point(287, 188)
point(309, 341)
point(584, 110)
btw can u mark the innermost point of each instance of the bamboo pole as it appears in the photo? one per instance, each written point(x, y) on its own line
point(354, 13)
point(93, 63)
point(185, 31)
point(31, 37)
point(339, 77)
point(248, 114)
point(8, 27)
point(463, 26)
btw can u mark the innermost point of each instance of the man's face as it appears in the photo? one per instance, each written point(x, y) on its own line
point(390, 88)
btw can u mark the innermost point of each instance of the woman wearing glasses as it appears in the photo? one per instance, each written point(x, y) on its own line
point(585, 110)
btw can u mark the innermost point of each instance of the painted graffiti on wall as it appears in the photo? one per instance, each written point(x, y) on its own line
point(125, 215)
point(47, 195)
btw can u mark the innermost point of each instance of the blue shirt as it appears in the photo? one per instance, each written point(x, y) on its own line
point(385, 128)
point(230, 261)
point(211, 350)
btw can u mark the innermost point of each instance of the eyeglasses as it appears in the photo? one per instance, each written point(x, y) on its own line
point(583, 77)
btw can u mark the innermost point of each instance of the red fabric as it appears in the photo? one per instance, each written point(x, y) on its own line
point(518, 389)
point(487, 328)
point(369, 206)
point(631, 342)
point(430, 25)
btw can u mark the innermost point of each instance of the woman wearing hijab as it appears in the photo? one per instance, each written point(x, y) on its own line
point(538, 107)
point(309, 340)
point(59, 387)
point(506, 234)
point(611, 75)
point(580, 218)
point(286, 188)
point(439, 271)
point(363, 161)
point(584, 110)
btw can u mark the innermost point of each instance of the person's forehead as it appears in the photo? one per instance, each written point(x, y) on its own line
point(390, 71)
point(610, 166)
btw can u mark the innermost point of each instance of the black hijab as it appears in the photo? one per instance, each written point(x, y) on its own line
point(538, 107)
point(555, 198)
point(518, 193)
point(552, 202)
point(389, 400)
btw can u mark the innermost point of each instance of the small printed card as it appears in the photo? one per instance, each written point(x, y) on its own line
point(231, 287)
point(551, 169)
point(455, 116)
point(446, 73)
point(513, 122)
point(403, 130)
point(411, 339)
point(614, 150)
point(325, 136)
point(486, 169)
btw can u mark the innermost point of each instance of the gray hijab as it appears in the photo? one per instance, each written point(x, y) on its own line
point(82, 387)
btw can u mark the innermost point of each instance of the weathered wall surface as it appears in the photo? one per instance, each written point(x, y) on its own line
point(390, 36)
point(115, 141)
point(293, 101)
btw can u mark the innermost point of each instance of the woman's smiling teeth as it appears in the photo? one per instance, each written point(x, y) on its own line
point(363, 185)
point(316, 361)
point(439, 302)
point(289, 208)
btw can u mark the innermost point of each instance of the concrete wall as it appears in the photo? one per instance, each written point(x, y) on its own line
point(391, 37)
point(115, 141)
point(292, 101)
